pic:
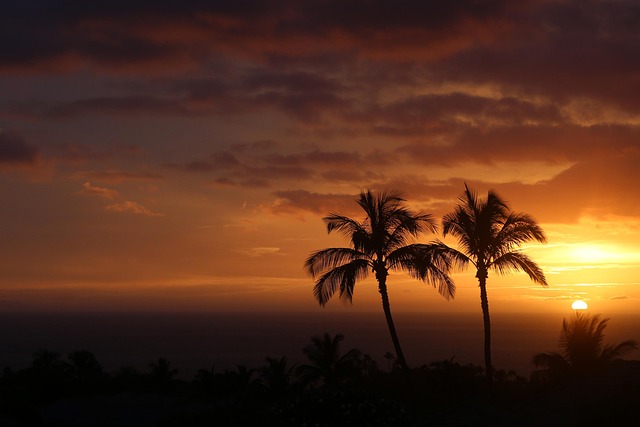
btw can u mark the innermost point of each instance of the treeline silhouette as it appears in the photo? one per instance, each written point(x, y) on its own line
point(335, 386)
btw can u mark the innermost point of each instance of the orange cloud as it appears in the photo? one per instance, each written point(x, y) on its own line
point(132, 207)
point(106, 193)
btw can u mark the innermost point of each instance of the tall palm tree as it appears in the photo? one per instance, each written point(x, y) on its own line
point(489, 235)
point(581, 348)
point(378, 244)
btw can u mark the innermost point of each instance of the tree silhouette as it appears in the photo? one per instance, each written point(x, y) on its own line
point(85, 365)
point(162, 374)
point(379, 244)
point(581, 347)
point(88, 373)
point(489, 235)
point(276, 375)
point(47, 362)
point(328, 366)
point(389, 356)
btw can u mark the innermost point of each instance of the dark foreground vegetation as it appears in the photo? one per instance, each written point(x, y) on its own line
point(334, 388)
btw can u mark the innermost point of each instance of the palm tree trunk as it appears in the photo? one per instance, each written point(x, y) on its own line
point(484, 302)
point(382, 288)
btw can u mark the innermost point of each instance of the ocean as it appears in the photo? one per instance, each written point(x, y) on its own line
point(195, 340)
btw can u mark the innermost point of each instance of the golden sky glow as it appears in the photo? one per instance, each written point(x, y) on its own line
point(183, 158)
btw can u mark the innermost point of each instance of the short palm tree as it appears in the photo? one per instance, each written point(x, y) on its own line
point(581, 348)
point(276, 375)
point(328, 366)
point(489, 235)
point(378, 244)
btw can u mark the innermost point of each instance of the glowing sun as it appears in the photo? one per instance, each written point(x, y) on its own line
point(579, 305)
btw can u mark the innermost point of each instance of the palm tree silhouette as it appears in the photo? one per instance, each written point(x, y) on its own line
point(489, 235)
point(379, 244)
point(328, 366)
point(85, 365)
point(276, 375)
point(162, 373)
point(581, 348)
point(389, 356)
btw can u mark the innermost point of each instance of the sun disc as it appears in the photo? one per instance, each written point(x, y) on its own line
point(579, 305)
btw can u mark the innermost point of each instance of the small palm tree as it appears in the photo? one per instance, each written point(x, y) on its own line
point(162, 373)
point(489, 235)
point(581, 348)
point(328, 366)
point(378, 244)
point(276, 375)
point(389, 356)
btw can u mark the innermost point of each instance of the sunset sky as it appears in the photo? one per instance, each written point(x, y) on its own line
point(180, 155)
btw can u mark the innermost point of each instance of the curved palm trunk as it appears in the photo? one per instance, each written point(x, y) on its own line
point(484, 302)
point(382, 288)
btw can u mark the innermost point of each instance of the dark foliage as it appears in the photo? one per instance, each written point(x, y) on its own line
point(335, 388)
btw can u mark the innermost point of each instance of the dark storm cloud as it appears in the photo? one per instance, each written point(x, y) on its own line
point(356, 68)
point(561, 49)
point(305, 96)
point(123, 33)
point(87, 152)
point(14, 149)
point(438, 114)
point(548, 144)
point(117, 176)
point(247, 171)
point(120, 105)
point(591, 187)
point(556, 49)
point(295, 201)
point(222, 161)
point(317, 157)
point(263, 166)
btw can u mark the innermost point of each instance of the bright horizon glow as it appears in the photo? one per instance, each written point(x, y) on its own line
point(579, 305)
point(595, 254)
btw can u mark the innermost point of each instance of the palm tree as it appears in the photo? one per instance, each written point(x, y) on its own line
point(85, 365)
point(389, 356)
point(276, 375)
point(489, 235)
point(581, 348)
point(328, 366)
point(380, 243)
point(162, 373)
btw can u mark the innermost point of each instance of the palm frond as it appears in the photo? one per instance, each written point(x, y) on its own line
point(408, 227)
point(517, 229)
point(475, 222)
point(342, 224)
point(615, 352)
point(325, 259)
point(342, 278)
point(353, 230)
point(431, 263)
point(581, 339)
point(553, 360)
point(515, 261)
point(461, 225)
point(378, 207)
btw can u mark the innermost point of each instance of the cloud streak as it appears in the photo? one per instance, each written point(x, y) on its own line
point(132, 207)
point(118, 205)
